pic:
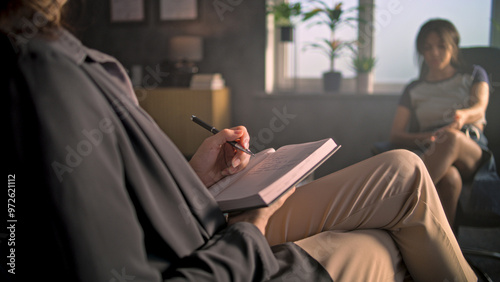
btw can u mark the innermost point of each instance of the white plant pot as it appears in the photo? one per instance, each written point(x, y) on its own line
point(364, 83)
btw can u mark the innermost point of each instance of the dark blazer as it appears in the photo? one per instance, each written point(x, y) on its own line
point(115, 198)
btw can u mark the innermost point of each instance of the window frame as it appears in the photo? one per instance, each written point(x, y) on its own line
point(279, 81)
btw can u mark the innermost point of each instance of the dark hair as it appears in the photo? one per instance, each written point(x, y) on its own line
point(447, 32)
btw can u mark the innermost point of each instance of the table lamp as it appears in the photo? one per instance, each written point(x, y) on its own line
point(184, 52)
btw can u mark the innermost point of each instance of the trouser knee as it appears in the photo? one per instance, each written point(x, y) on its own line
point(404, 171)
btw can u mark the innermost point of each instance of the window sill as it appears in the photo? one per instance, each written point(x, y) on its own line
point(324, 96)
point(313, 87)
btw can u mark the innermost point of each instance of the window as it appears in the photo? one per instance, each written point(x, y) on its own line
point(311, 63)
point(396, 32)
point(396, 24)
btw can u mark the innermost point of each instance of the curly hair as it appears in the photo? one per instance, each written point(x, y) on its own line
point(27, 16)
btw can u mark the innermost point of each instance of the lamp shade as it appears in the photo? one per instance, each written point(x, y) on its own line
point(189, 48)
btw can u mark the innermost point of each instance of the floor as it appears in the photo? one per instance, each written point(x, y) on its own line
point(483, 238)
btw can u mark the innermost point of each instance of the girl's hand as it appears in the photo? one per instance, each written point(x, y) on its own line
point(459, 120)
point(216, 159)
point(457, 124)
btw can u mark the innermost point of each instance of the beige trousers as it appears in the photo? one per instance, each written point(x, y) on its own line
point(377, 220)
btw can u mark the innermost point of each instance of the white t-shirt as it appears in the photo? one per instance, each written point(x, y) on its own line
point(433, 104)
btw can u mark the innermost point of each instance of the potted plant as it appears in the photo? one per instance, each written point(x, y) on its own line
point(284, 15)
point(331, 46)
point(331, 49)
point(363, 65)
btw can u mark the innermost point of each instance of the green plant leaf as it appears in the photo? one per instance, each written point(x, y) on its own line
point(284, 13)
point(333, 17)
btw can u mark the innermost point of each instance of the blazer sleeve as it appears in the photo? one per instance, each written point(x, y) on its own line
point(237, 253)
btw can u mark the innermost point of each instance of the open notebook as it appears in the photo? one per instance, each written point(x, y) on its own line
point(270, 173)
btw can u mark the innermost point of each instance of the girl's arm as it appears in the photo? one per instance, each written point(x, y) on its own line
point(399, 134)
point(479, 98)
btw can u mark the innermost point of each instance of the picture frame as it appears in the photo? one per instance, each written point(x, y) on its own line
point(122, 11)
point(174, 10)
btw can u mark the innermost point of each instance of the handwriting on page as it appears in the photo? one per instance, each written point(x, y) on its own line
point(274, 162)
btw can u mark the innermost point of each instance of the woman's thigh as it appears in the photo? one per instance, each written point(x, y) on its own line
point(469, 158)
point(452, 147)
point(392, 192)
point(348, 199)
point(360, 255)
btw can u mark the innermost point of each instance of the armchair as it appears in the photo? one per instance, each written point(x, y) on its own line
point(488, 58)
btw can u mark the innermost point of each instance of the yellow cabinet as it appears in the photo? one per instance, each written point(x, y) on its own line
point(172, 108)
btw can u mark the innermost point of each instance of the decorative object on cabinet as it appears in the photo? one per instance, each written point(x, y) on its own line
point(184, 52)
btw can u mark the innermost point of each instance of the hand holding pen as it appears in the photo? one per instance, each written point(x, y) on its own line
point(212, 129)
point(208, 162)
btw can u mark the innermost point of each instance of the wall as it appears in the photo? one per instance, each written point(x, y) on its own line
point(234, 39)
point(235, 46)
point(353, 121)
point(495, 30)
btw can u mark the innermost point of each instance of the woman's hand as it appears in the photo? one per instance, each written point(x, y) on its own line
point(260, 217)
point(457, 124)
point(216, 159)
point(460, 119)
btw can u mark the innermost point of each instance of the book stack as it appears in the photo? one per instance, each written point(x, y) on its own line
point(212, 81)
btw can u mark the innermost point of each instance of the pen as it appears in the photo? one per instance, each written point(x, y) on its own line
point(215, 131)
